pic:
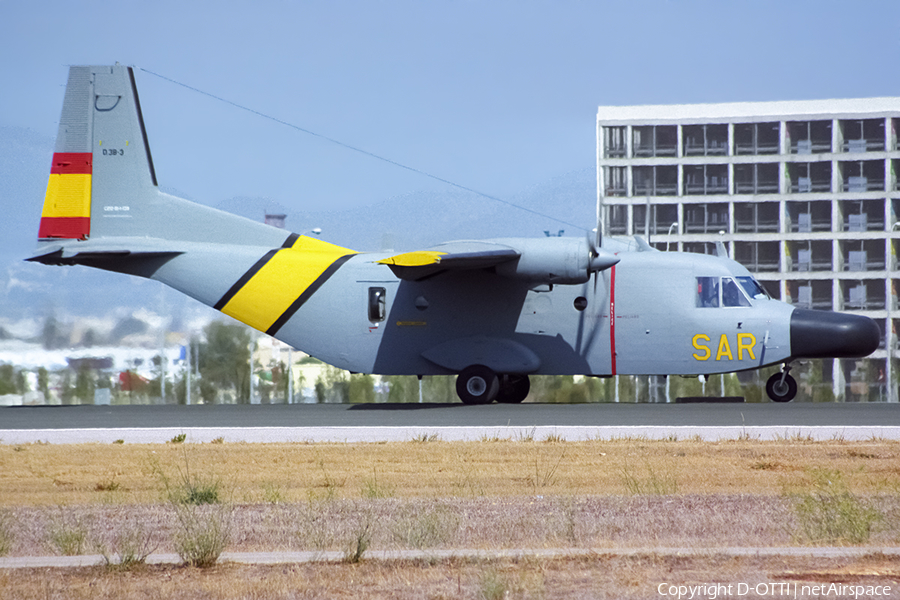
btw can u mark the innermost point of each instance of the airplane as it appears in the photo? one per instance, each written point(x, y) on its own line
point(491, 312)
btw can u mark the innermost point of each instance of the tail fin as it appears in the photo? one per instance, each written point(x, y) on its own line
point(101, 163)
point(103, 184)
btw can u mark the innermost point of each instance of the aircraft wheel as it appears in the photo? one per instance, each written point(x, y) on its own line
point(781, 392)
point(513, 389)
point(477, 385)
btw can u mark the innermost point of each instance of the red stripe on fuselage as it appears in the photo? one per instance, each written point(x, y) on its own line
point(78, 163)
point(612, 319)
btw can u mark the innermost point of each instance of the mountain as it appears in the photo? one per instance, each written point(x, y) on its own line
point(422, 219)
point(402, 223)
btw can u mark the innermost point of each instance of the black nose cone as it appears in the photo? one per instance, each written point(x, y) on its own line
point(823, 334)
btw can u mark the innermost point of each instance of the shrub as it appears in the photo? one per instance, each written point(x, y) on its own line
point(130, 548)
point(67, 534)
point(829, 513)
point(6, 533)
point(189, 487)
point(427, 527)
point(203, 535)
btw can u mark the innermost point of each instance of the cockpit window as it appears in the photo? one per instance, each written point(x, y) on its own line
point(753, 288)
point(709, 288)
point(731, 294)
point(707, 292)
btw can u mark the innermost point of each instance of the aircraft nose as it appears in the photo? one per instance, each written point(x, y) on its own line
point(824, 334)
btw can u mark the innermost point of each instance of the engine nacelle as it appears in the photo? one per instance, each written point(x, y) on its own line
point(555, 260)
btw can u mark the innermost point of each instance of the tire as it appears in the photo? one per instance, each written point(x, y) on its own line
point(513, 389)
point(781, 392)
point(477, 385)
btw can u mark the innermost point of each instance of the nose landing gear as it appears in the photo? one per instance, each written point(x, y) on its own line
point(781, 387)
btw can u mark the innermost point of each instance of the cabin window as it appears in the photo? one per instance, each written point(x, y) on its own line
point(708, 292)
point(377, 304)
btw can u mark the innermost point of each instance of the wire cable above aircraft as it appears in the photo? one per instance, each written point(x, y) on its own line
point(360, 150)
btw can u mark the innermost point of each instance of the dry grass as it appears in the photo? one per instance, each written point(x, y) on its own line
point(50, 475)
point(489, 494)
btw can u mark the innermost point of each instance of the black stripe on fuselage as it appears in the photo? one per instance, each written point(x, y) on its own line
point(307, 294)
point(224, 300)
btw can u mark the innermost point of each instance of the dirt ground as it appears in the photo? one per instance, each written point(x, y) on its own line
point(639, 577)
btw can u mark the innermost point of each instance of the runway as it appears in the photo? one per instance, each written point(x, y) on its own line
point(449, 422)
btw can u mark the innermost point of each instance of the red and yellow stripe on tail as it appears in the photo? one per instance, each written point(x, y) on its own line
point(67, 205)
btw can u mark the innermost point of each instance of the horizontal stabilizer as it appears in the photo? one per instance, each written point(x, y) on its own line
point(135, 256)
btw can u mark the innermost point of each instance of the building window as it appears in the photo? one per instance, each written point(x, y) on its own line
point(806, 217)
point(617, 219)
point(811, 295)
point(756, 138)
point(756, 217)
point(862, 215)
point(655, 181)
point(862, 255)
point(862, 135)
point(662, 219)
point(809, 137)
point(704, 180)
point(614, 140)
point(700, 248)
point(810, 177)
point(862, 175)
point(654, 140)
point(615, 181)
point(705, 218)
point(705, 140)
point(866, 294)
point(809, 256)
point(756, 179)
point(757, 256)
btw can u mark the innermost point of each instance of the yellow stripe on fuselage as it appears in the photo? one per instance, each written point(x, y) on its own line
point(281, 281)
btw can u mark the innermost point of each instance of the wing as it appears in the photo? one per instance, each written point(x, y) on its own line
point(452, 256)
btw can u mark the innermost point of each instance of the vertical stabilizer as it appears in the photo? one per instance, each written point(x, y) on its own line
point(103, 185)
point(101, 162)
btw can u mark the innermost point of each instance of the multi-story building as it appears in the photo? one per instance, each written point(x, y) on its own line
point(805, 194)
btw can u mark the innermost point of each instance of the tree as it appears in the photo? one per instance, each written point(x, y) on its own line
point(84, 385)
point(7, 379)
point(53, 334)
point(43, 382)
point(225, 359)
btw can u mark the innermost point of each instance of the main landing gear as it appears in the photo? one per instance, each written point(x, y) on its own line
point(478, 384)
point(781, 387)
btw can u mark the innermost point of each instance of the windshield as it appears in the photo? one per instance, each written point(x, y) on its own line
point(753, 288)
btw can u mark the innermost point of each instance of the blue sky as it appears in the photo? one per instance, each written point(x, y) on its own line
point(497, 96)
